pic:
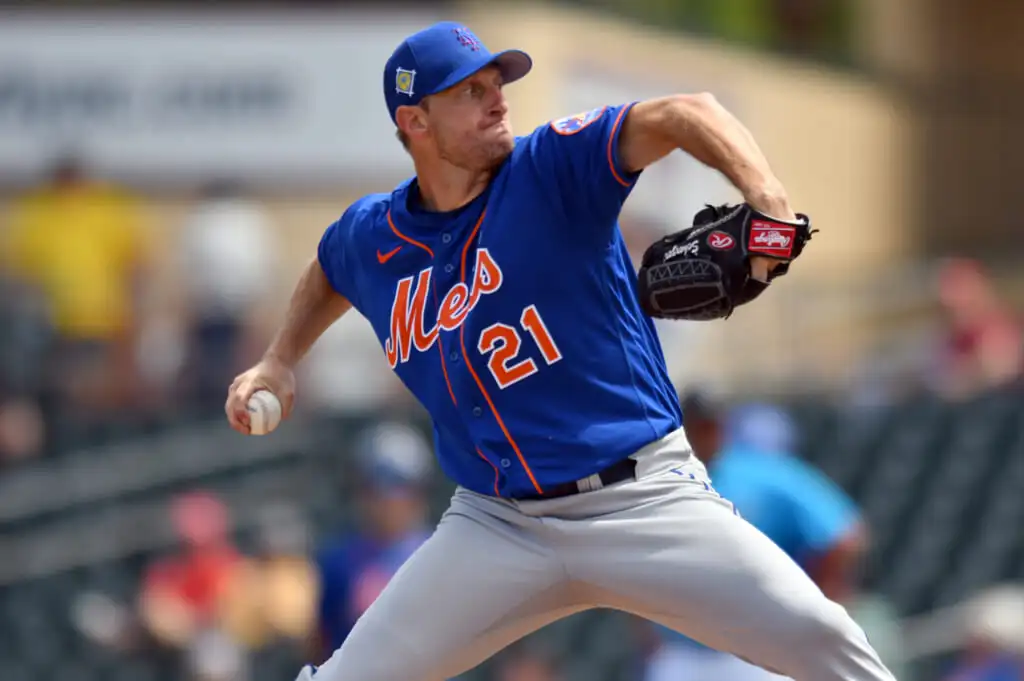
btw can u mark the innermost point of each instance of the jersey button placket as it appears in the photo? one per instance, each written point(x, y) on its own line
point(478, 412)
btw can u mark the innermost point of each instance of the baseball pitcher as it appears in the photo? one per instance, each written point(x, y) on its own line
point(503, 296)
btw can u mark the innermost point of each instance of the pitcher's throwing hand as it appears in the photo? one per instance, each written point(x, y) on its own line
point(270, 375)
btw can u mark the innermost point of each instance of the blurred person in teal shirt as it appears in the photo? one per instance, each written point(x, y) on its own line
point(749, 456)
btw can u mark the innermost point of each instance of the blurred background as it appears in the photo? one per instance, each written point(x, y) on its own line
point(166, 169)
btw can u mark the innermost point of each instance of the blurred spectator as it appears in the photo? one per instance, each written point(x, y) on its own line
point(81, 243)
point(983, 344)
point(994, 649)
point(347, 372)
point(274, 598)
point(394, 467)
point(24, 335)
point(183, 598)
point(229, 264)
point(796, 505)
point(750, 460)
point(21, 430)
point(704, 427)
point(206, 611)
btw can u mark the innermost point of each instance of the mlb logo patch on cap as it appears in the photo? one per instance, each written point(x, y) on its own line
point(403, 81)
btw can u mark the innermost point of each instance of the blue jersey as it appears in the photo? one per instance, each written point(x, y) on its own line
point(352, 573)
point(514, 320)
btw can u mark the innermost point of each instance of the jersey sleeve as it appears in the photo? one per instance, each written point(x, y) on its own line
point(822, 511)
point(581, 153)
point(335, 253)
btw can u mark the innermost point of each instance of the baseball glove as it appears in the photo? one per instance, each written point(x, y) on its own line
point(703, 272)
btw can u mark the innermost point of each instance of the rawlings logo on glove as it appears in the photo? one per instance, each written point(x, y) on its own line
point(721, 241)
point(772, 239)
point(688, 275)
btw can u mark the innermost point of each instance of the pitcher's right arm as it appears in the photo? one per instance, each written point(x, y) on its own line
point(326, 290)
point(314, 306)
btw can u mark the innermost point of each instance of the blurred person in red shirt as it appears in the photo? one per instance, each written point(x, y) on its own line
point(183, 597)
point(204, 610)
point(982, 346)
point(274, 599)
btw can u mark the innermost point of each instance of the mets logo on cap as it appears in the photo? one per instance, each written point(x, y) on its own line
point(570, 125)
point(403, 81)
point(466, 38)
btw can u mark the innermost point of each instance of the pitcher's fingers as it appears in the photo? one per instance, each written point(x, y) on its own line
point(239, 422)
point(287, 405)
point(240, 427)
point(237, 414)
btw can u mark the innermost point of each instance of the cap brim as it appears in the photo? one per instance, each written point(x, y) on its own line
point(514, 64)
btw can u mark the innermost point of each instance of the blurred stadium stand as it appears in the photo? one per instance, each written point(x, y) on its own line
point(939, 483)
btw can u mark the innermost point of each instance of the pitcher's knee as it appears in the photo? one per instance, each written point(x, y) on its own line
point(828, 627)
point(821, 624)
point(824, 642)
point(816, 629)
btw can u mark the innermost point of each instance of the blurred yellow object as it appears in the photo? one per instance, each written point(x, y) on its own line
point(271, 598)
point(167, 618)
point(80, 246)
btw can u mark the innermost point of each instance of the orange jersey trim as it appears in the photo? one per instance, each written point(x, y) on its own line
point(611, 148)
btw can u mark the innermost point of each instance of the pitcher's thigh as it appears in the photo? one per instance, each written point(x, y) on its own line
point(467, 592)
point(712, 576)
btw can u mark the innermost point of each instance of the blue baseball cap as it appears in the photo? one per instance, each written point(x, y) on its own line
point(437, 58)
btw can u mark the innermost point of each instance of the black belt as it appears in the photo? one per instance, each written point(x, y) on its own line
point(617, 472)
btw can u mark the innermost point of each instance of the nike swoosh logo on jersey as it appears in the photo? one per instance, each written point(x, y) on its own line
point(384, 257)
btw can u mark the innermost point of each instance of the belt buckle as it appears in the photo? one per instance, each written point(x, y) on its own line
point(591, 483)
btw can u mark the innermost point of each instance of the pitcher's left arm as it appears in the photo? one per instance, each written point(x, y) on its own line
point(700, 126)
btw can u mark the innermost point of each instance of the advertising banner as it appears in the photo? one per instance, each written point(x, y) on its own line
point(290, 98)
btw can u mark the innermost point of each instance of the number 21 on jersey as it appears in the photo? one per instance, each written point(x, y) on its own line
point(503, 343)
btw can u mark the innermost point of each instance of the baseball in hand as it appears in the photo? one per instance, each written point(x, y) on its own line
point(264, 412)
